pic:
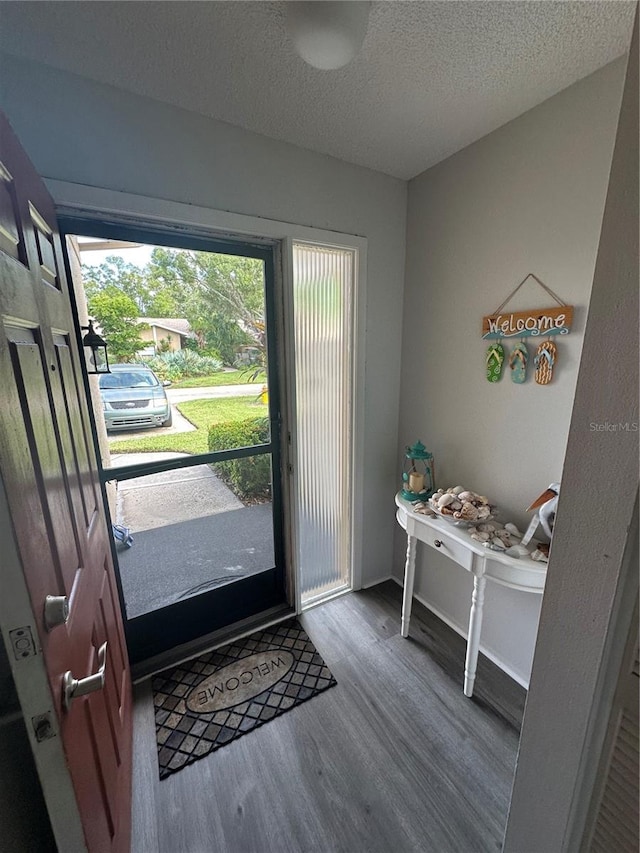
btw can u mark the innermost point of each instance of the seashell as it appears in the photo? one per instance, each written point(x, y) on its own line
point(539, 557)
point(498, 544)
point(427, 511)
point(513, 530)
point(447, 511)
point(482, 537)
point(466, 496)
point(457, 489)
point(445, 500)
point(482, 499)
point(418, 505)
point(484, 511)
point(455, 505)
point(503, 533)
point(485, 527)
point(517, 551)
point(468, 512)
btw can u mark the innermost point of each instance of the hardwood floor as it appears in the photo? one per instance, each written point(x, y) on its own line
point(395, 759)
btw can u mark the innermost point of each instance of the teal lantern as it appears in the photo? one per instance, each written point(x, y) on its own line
point(418, 480)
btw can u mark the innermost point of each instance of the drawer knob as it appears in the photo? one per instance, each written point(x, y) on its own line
point(437, 543)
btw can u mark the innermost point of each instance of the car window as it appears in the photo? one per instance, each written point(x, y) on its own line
point(128, 379)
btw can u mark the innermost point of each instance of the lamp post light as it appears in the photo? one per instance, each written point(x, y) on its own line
point(95, 351)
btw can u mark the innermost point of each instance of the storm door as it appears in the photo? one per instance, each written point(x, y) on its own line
point(189, 426)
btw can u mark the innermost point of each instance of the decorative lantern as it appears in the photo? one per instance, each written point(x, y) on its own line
point(95, 351)
point(418, 477)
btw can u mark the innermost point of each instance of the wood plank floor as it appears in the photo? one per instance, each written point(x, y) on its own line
point(395, 759)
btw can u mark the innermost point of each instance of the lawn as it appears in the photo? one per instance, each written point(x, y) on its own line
point(201, 413)
point(226, 377)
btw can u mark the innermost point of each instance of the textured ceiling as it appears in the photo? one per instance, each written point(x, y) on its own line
point(430, 78)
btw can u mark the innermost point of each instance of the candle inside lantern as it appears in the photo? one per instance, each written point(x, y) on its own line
point(416, 482)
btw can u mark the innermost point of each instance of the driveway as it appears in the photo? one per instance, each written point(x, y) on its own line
point(180, 395)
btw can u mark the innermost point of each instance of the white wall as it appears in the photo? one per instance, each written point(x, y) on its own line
point(593, 570)
point(84, 132)
point(527, 198)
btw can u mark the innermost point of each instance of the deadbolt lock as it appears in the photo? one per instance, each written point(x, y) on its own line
point(56, 611)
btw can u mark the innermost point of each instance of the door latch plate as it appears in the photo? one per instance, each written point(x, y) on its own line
point(22, 642)
point(43, 727)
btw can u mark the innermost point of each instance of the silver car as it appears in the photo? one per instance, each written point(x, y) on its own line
point(133, 397)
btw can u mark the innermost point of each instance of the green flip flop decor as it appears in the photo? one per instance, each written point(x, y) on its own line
point(495, 359)
point(518, 363)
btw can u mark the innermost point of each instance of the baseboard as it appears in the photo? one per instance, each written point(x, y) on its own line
point(377, 581)
point(461, 632)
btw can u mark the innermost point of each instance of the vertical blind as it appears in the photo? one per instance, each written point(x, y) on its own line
point(323, 332)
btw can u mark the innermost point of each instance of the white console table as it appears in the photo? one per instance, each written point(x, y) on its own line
point(455, 542)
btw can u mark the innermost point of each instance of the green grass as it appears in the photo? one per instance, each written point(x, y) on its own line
point(227, 377)
point(201, 413)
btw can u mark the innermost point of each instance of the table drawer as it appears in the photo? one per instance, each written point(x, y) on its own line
point(448, 546)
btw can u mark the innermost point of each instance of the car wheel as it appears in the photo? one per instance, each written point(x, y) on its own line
point(168, 421)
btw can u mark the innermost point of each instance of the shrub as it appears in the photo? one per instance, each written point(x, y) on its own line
point(248, 478)
point(182, 364)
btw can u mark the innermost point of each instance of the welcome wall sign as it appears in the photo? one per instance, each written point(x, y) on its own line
point(525, 324)
point(539, 322)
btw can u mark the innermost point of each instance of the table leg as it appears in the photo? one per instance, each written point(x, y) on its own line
point(475, 626)
point(409, 577)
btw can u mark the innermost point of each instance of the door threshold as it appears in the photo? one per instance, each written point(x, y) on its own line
point(179, 654)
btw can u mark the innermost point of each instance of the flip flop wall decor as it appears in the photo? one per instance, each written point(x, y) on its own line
point(518, 363)
point(544, 361)
point(495, 358)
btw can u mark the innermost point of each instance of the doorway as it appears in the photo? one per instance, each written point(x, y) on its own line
point(189, 427)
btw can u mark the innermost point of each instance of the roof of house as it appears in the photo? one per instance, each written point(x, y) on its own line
point(171, 324)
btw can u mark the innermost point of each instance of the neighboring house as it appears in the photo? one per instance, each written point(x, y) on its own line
point(164, 334)
point(442, 246)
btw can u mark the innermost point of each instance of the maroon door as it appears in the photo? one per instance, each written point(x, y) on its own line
point(49, 470)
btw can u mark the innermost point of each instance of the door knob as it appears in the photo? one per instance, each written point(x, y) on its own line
point(56, 610)
point(74, 687)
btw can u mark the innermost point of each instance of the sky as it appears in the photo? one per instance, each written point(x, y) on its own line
point(140, 255)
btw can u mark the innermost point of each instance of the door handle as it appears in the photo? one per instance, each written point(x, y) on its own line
point(74, 687)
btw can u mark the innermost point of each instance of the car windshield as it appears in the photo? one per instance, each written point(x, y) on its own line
point(128, 379)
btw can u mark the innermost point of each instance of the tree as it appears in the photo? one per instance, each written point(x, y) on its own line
point(222, 296)
point(116, 314)
point(152, 298)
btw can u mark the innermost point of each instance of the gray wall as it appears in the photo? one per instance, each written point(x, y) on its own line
point(527, 198)
point(80, 131)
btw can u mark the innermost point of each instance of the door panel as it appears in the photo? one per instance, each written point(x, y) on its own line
point(50, 473)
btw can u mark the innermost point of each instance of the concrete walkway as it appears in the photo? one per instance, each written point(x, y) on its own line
point(190, 534)
point(155, 500)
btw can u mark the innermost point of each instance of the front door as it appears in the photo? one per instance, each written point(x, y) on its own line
point(50, 476)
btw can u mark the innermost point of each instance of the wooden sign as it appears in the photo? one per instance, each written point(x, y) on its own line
point(526, 324)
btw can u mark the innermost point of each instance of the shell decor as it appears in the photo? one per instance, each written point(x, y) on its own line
point(458, 504)
point(475, 512)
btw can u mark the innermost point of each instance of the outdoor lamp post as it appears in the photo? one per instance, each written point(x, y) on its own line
point(418, 477)
point(95, 351)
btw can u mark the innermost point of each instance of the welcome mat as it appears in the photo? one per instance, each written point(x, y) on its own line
point(211, 700)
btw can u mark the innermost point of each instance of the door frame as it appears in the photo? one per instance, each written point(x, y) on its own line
point(159, 632)
point(78, 201)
